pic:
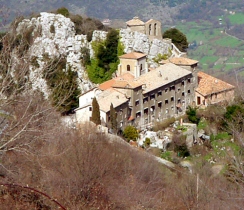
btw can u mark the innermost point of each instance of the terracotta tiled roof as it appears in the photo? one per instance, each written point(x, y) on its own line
point(111, 96)
point(179, 61)
point(106, 85)
point(133, 55)
point(126, 84)
point(122, 81)
point(126, 76)
point(208, 84)
point(135, 22)
point(162, 75)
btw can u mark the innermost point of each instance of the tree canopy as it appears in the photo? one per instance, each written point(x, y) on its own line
point(106, 61)
point(130, 133)
point(95, 112)
point(63, 85)
point(177, 37)
point(113, 118)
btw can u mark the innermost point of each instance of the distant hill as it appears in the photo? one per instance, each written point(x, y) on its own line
point(198, 19)
point(168, 11)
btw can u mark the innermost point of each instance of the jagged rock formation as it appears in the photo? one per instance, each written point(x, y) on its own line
point(57, 38)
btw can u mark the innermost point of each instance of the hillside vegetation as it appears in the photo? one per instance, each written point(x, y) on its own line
point(167, 11)
point(47, 164)
point(217, 44)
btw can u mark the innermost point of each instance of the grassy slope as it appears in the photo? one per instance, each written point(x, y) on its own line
point(215, 50)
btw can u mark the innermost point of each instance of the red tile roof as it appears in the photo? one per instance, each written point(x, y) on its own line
point(107, 84)
point(208, 84)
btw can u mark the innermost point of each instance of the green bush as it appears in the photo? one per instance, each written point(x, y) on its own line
point(63, 11)
point(192, 115)
point(147, 142)
point(130, 133)
point(160, 57)
point(166, 155)
point(179, 145)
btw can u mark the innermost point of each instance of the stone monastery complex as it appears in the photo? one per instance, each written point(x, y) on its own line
point(142, 95)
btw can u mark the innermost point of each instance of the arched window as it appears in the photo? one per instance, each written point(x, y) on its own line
point(155, 29)
point(128, 67)
point(150, 29)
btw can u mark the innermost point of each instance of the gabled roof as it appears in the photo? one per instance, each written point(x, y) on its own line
point(111, 96)
point(180, 61)
point(126, 84)
point(106, 85)
point(208, 85)
point(126, 80)
point(135, 22)
point(133, 55)
point(151, 20)
point(162, 75)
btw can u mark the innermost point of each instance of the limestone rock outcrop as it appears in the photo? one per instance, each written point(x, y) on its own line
point(56, 38)
point(135, 41)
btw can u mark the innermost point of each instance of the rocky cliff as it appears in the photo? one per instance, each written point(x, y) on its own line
point(56, 37)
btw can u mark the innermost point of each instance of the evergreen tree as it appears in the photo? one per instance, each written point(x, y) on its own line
point(108, 53)
point(178, 38)
point(63, 85)
point(113, 118)
point(95, 112)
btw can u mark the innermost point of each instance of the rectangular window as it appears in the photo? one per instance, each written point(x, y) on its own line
point(166, 90)
point(137, 103)
point(138, 114)
point(152, 96)
point(178, 89)
point(160, 105)
point(166, 101)
point(121, 123)
point(172, 98)
point(159, 93)
point(189, 91)
point(172, 87)
point(183, 94)
point(146, 111)
point(189, 80)
point(183, 103)
point(145, 99)
point(90, 108)
point(183, 83)
point(166, 111)
point(179, 100)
